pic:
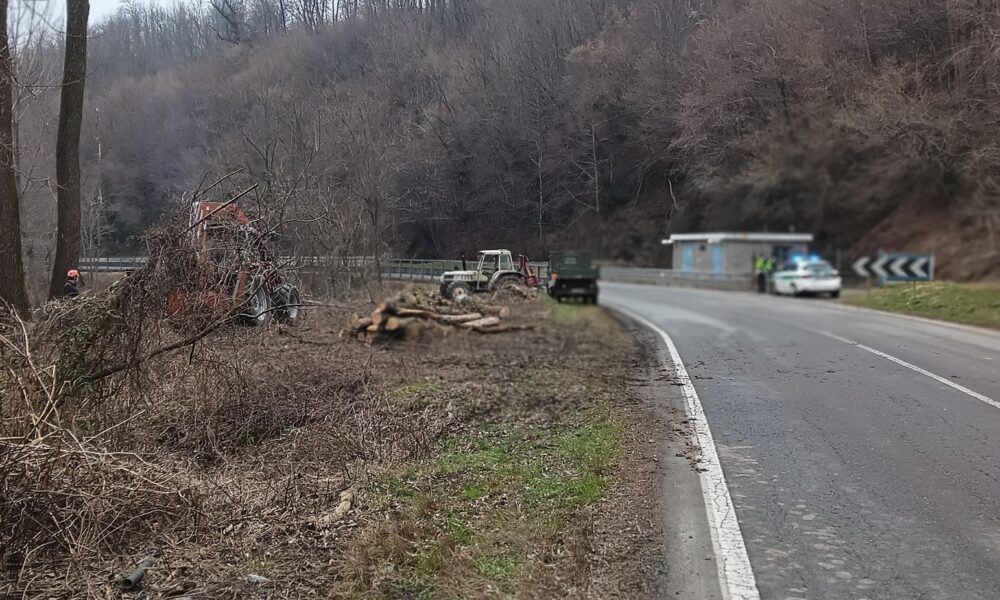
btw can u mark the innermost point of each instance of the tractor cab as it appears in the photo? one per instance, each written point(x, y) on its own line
point(492, 262)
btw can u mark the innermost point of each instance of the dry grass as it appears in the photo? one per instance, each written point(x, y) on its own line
point(231, 462)
point(269, 451)
point(126, 434)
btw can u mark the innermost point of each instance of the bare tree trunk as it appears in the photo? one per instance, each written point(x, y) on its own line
point(541, 193)
point(864, 33)
point(12, 288)
point(68, 238)
point(597, 174)
point(374, 205)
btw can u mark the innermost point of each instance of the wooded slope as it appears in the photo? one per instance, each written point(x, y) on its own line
point(432, 127)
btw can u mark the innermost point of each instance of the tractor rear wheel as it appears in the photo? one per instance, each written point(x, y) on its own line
point(288, 303)
point(506, 281)
point(258, 307)
point(458, 291)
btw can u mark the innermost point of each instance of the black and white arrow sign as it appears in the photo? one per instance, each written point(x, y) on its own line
point(872, 266)
point(896, 267)
point(860, 266)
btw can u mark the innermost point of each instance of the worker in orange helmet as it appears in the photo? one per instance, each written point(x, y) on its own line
point(73, 283)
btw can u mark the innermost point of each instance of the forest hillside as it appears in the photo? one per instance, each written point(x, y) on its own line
point(430, 128)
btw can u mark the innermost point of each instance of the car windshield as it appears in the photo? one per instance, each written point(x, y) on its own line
point(820, 268)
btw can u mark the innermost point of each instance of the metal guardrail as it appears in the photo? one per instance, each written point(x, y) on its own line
point(430, 270)
point(722, 281)
point(118, 264)
point(112, 264)
point(418, 269)
point(405, 269)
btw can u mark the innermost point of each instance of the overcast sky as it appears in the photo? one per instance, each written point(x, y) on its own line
point(102, 8)
point(51, 12)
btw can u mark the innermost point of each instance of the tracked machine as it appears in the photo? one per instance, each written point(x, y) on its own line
point(236, 274)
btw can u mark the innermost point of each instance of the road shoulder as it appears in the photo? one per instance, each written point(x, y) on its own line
point(668, 461)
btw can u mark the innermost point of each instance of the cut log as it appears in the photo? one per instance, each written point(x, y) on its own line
point(450, 309)
point(503, 328)
point(414, 312)
point(496, 311)
point(484, 322)
point(395, 323)
point(372, 328)
point(378, 317)
point(457, 319)
point(522, 291)
point(440, 318)
point(361, 323)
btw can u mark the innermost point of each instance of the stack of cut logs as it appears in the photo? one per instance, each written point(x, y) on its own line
point(394, 316)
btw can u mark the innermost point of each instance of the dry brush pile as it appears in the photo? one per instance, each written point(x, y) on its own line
point(125, 434)
point(71, 379)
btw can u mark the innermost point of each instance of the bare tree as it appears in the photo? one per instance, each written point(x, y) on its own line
point(68, 234)
point(230, 13)
point(12, 288)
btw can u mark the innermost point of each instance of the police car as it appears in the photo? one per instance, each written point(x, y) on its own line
point(802, 276)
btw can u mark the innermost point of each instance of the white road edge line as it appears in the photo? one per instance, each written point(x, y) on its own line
point(735, 573)
point(913, 367)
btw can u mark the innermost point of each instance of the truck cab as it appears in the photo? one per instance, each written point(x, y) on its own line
point(573, 275)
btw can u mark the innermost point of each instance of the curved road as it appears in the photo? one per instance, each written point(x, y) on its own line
point(861, 450)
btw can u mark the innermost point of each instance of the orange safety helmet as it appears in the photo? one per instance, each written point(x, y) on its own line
point(73, 274)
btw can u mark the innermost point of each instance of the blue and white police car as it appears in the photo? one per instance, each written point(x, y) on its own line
point(807, 276)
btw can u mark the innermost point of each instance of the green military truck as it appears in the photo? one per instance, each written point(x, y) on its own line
point(572, 275)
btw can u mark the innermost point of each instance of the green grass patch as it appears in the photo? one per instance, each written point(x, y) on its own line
point(503, 567)
point(969, 304)
point(486, 501)
point(259, 566)
point(419, 388)
point(573, 314)
point(594, 445)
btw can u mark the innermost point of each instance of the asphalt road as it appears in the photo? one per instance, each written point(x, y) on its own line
point(852, 475)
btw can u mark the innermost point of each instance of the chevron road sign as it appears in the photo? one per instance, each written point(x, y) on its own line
point(896, 266)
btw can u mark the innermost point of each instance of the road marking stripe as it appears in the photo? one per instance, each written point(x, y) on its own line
point(913, 367)
point(735, 573)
